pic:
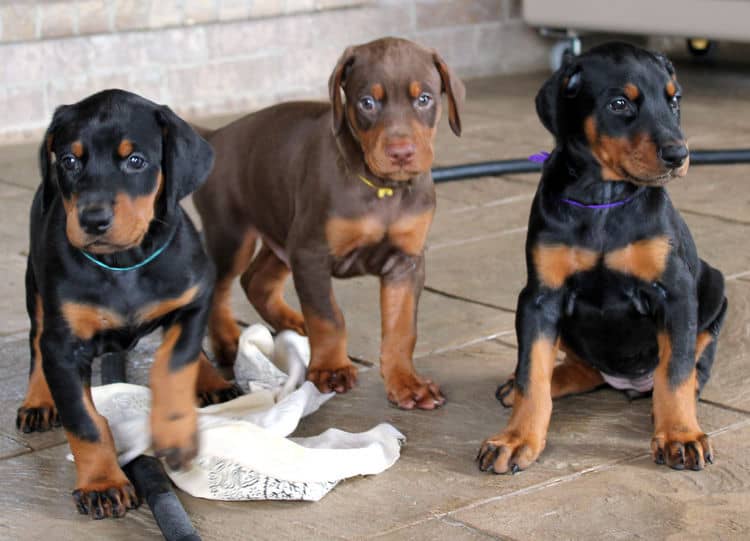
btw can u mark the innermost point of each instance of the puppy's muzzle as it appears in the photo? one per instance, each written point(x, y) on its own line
point(96, 219)
point(673, 156)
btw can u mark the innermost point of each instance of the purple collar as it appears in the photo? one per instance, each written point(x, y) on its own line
point(542, 157)
point(611, 205)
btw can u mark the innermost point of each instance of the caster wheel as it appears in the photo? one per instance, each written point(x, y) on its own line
point(701, 47)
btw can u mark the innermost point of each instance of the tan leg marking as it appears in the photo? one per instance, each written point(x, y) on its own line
point(263, 283)
point(678, 439)
point(97, 470)
point(521, 442)
point(173, 414)
point(211, 387)
point(38, 411)
point(330, 368)
point(222, 327)
point(404, 387)
point(571, 376)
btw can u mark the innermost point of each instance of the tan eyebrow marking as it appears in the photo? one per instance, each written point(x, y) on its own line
point(415, 89)
point(631, 91)
point(77, 149)
point(671, 89)
point(125, 148)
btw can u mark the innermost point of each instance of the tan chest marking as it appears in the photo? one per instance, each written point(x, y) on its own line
point(345, 235)
point(161, 308)
point(408, 233)
point(86, 320)
point(554, 263)
point(645, 259)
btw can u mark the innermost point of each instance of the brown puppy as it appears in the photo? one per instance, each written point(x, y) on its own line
point(356, 199)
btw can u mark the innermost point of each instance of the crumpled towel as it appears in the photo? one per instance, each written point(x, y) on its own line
point(245, 453)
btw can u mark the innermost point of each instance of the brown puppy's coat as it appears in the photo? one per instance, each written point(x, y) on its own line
point(358, 199)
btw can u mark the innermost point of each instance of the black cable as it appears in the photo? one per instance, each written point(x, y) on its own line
point(509, 167)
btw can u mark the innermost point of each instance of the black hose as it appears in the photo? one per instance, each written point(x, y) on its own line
point(113, 367)
point(147, 473)
point(148, 477)
point(720, 157)
point(508, 167)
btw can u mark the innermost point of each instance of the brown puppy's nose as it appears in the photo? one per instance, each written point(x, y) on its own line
point(401, 153)
point(95, 219)
point(673, 155)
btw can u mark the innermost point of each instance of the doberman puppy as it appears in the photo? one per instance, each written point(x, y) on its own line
point(113, 257)
point(334, 189)
point(614, 279)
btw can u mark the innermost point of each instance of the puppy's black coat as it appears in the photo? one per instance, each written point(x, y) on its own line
point(113, 257)
point(614, 278)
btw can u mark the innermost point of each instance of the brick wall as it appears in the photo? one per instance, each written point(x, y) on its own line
point(225, 56)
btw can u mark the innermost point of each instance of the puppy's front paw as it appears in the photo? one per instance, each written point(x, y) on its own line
point(339, 379)
point(509, 451)
point(106, 499)
point(680, 450)
point(219, 395)
point(409, 391)
point(176, 439)
point(39, 418)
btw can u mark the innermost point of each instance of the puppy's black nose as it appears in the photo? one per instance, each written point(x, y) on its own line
point(96, 219)
point(674, 155)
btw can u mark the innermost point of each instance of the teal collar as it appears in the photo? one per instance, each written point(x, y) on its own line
point(146, 261)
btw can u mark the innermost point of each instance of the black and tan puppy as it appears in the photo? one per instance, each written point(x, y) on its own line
point(353, 200)
point(614, 280)
point(113, 257)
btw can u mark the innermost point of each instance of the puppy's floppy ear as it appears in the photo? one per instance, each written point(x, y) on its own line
point(455, 89)
point(567, 82)
point(187, 158)
point(47, 170)
point(338, 77)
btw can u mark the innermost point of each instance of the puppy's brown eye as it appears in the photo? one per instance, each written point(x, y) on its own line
point(136, 162)
point(618, 105)
point(424, 100)
point(367, 103)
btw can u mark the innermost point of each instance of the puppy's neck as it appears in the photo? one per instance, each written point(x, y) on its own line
point(160, 234)
point(576, 175)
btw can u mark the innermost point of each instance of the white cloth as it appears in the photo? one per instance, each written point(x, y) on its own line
point(245, 452)
point(642, 384)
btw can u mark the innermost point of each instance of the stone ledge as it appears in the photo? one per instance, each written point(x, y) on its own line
point(30, 20)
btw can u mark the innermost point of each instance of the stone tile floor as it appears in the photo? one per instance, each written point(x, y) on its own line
point(595, 480)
